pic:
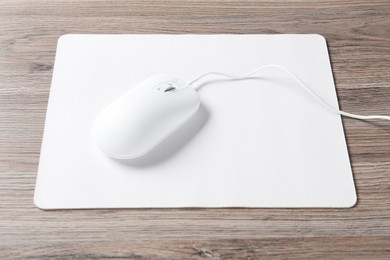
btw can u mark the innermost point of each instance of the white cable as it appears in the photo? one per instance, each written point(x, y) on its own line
point(319, 99)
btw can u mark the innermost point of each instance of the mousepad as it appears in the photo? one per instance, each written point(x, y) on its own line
point(262, 142)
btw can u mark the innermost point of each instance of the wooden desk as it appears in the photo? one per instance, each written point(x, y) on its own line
point(359, 43)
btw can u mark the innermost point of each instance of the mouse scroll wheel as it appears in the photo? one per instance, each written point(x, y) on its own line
point(167, 87)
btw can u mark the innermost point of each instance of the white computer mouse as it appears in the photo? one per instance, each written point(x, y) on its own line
point(144, 116)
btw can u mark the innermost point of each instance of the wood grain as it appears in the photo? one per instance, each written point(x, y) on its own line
point(358, 38)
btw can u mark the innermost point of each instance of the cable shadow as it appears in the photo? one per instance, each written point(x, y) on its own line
point(210, 82)
point(168, 148)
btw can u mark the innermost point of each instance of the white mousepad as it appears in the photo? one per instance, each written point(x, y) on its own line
point(262, 142)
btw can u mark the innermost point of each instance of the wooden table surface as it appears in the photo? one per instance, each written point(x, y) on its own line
point(358, 38)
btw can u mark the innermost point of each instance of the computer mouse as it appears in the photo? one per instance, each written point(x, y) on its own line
point(144, 116)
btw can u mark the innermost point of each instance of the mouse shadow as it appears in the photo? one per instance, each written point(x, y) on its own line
point(169, 147)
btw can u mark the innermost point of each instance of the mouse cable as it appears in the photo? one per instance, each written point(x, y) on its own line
point(293, 75)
